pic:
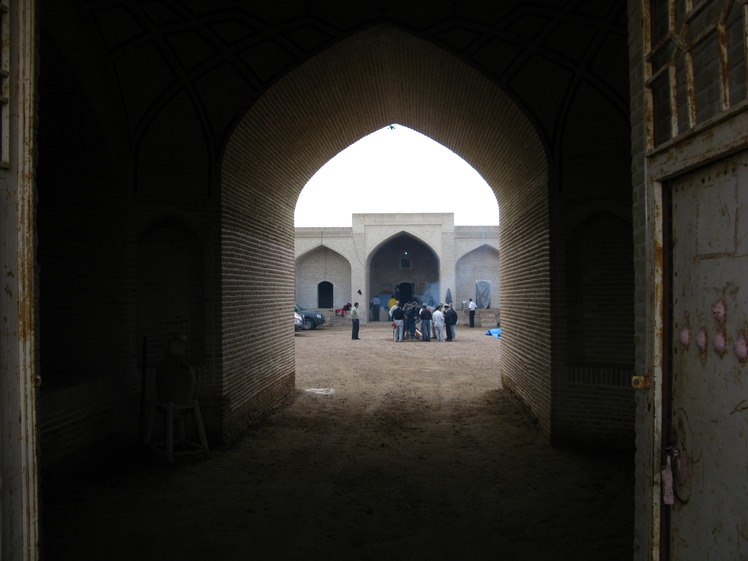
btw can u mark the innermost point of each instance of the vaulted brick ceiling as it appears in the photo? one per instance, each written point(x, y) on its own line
point(223, 54)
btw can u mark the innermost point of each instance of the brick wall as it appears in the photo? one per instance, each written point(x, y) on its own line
point(257, 275)
point(526, 297)
point(245, 224)
point(600, 303)
point(595, 407)
point(78, 420)
point(593, 401)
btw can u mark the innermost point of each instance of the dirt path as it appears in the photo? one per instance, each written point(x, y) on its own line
point(402, 451)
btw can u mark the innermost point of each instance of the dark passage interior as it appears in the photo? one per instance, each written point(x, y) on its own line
point(151, 157)
point(401, 452)
point(198, 125)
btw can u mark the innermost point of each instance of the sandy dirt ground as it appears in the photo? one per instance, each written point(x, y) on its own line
point(384, 452)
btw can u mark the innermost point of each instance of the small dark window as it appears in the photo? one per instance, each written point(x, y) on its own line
point(404, 260)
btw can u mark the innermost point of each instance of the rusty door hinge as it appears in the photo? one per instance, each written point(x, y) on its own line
point(640, 382)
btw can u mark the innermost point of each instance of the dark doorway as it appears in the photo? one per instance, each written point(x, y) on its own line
point(404, 292)
point(324, 295)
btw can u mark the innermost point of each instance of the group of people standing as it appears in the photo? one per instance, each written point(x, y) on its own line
point(439, 323)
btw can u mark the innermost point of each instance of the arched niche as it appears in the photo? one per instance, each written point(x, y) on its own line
point(322, 264)
point(480, 264)
point(406, 267)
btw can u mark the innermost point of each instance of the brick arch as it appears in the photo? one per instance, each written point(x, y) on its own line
point(389, 238)
point(319, 247)
point(380, 76)
point(322, 264)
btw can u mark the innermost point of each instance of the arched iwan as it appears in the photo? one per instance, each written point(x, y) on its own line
point(375, 78)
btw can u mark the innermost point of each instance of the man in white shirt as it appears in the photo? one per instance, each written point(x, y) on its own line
point(354, 322)
point(438, 318)
point(472, 306)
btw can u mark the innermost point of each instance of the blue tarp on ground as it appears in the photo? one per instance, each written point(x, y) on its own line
point(495, 332)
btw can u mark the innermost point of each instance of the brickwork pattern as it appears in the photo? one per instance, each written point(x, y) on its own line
point(77, 419)
point(593, 400)
point(257, 275)
point(525, 297)
point(582, 420)
point(600, 279)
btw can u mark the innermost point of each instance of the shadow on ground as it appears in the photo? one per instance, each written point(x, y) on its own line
point(413, 452)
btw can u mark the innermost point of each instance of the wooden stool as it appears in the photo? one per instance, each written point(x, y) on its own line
point(181, 446)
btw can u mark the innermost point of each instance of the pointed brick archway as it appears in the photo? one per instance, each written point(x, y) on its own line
point(378, 77)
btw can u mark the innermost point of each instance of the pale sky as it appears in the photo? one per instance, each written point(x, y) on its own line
point(396, 170)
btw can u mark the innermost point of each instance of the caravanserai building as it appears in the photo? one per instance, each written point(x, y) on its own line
point(413, 257)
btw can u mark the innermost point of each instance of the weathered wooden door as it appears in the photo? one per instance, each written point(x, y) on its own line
point(706, 406)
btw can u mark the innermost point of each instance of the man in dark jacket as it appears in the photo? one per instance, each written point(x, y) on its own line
point(425, 315)
point(450, 321)
point(398, 318)
point(412, 314)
